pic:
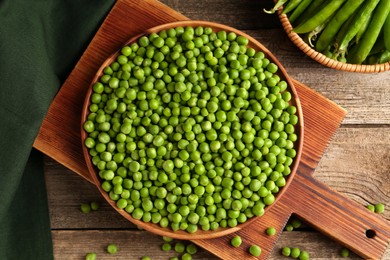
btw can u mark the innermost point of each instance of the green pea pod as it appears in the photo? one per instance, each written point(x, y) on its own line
point(312, 9)
point(363, 48)
point(386, 32)
point(335, 24)
point(360, 18)
point(320, 17)
point(379, 45)
point(343, 31)
point(384, 57)
point(299, 10)
point(276, 7)
point(378, 58)
point(363, 27)
point(291, 6)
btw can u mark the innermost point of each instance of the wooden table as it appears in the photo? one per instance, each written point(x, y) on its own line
point(356, 163)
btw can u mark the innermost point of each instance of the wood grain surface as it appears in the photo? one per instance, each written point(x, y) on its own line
point(370, 116)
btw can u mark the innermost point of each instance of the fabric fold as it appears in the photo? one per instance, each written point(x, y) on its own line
point(40, 43)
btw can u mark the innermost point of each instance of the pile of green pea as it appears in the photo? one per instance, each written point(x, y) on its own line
point(190, 128)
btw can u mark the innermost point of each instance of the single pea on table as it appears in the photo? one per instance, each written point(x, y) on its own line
point(112, 249)
point(236, 241)
point(255, 250)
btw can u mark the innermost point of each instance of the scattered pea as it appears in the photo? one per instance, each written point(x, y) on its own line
point(296, 223)
point(255, 250)
point(304, 255)
point(286, 251)
point(85, 208)
point(379, 208)
point(112, 249)
point(167, 239)
point(145, 258)
point(236, 241)
point(289, 227)
point(90, 256)
point(180, 247)
point(94, 206)
point(344, 252)
point(371, 207)
point(166, 247)
point(295, 252)
point(271, 231)
point(186, 256)
point(191, 249)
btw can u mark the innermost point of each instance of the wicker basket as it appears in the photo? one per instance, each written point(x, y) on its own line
point(324, 60)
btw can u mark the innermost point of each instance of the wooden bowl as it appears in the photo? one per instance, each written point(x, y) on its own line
point(321, 58)
point(200, 234)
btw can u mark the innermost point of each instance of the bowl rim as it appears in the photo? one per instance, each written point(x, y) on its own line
point(200, 234)
point(322, 58)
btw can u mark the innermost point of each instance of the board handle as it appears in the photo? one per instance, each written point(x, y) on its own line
point(351, 224)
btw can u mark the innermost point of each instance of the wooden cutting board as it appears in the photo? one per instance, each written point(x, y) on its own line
point(349, 223)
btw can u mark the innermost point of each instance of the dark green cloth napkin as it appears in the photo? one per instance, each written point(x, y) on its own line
point(40, 42)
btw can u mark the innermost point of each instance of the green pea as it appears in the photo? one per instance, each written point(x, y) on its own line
point(304, 255)
point(286, 251)
point(271, 231)
point(85, 208)
point(289, 227)
point(186, 256)
point(180, 247)
point(344, 252)
point(236, 241)
point(296, 223)
point(371, 208)
point(137, 213)
point(90, 256)
point(166, 247)
point(255, 250)
point(121, 203)
point(168, 166)
point(167, 239)
point(379, 208)
point(258, 210)
point(295, 252)
point(191, 249)
point(112, 249)
point(134, 166)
